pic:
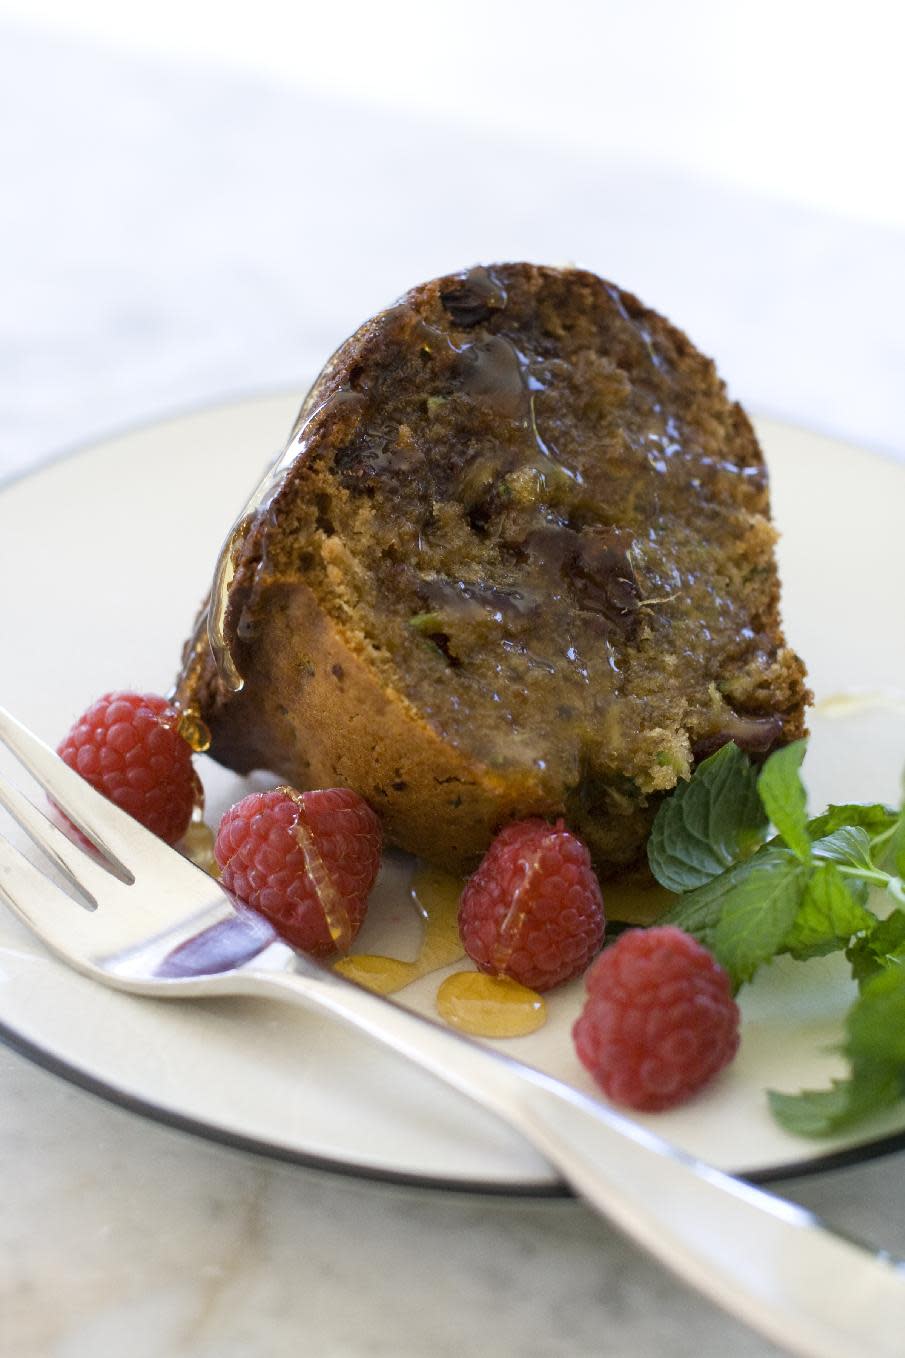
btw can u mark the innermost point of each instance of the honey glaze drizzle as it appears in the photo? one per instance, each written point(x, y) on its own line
point(484, 1006)
point(197, 844)
point(496, 1006)
point(260, 499)
point(490, 1006)
point(435, 896)
point(514, 919)
point(180, 693)
point(639, 905)
point(495, 373)
point(339, 923)
point(194, 729)
point(189, 722)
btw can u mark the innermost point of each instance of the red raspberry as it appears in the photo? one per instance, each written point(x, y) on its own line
point(128, 746)
point(659, 1020)
point(305, 860)
point(533, 909)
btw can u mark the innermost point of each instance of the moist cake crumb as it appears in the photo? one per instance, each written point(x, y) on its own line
point(519, 561)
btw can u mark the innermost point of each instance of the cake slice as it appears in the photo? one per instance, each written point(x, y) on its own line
point(516, 560)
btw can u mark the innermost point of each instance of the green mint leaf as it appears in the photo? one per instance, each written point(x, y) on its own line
point(699, 912)
point(785, 801)
point(895, 852)
point(849, 845)
point(875, 1047)
point(875, 818)
point(821, 1112)
point(875, 1024)
point(884, 945)
point(828, 917)
point(708, 823)
point(757, 915)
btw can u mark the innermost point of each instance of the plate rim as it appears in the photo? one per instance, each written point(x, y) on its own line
point(555, 1189)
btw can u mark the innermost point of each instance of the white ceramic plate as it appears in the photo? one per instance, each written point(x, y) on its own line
point(104, 556)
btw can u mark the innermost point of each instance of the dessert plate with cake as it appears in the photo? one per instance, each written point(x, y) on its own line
point(517, 559)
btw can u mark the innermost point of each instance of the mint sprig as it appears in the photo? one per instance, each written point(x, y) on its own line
point(782, 792)
point(894, 856)
point(758, 915)
point(875, 1048)
point(823, 1112)
point(708, 823)
point(875, 818)
point(882, 947)
point(831, 914)
point(802, 892)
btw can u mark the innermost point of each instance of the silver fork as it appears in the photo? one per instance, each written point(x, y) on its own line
point(156, 925)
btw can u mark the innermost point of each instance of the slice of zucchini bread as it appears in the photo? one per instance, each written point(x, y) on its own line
point(517, 559)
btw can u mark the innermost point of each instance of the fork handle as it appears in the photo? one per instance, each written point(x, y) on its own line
point(769, 1262)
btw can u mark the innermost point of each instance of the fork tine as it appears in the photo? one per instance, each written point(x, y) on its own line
point(111, 830)
point(61, 923)
point(92, 880)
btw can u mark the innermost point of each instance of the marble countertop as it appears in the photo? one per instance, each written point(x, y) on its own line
point(171, 237)
point(121, 1235)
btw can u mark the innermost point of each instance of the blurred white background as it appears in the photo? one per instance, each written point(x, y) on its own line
point(793, 97)
point(201, 200)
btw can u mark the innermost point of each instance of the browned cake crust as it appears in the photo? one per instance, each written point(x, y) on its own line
point(519, 561)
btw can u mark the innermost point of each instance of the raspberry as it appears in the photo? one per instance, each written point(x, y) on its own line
point(533, 909)
point(128, 746)
point(659, 1020)
point(305, 860)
